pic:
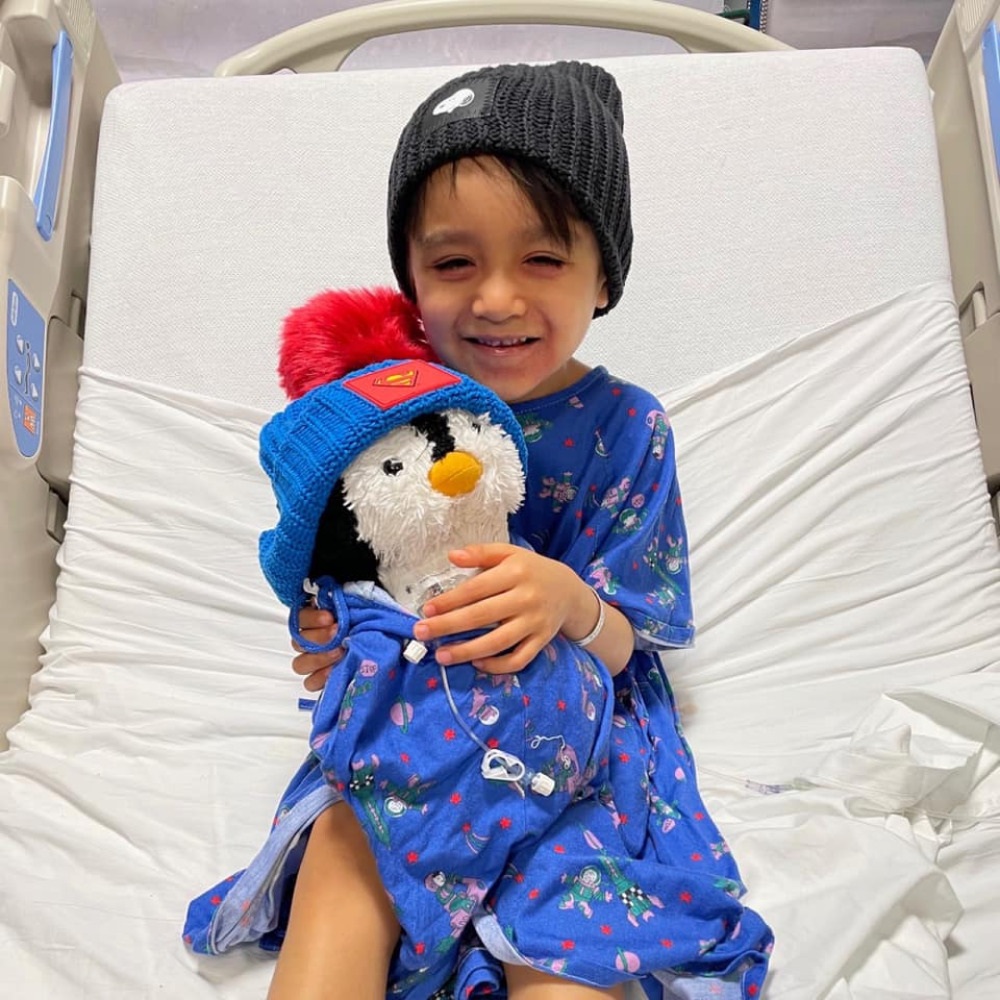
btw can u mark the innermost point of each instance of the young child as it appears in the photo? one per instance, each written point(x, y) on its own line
point(509, 226)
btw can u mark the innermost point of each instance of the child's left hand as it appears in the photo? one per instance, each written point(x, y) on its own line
point(528, 596)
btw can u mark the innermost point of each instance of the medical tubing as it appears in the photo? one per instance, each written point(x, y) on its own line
point(490, 754)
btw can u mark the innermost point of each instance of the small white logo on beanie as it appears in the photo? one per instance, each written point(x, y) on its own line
point(460, 99)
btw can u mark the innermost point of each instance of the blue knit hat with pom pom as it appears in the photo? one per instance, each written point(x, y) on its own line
point(305, 448)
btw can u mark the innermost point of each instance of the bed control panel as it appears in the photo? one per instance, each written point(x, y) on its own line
point(25, 370)
point(51, 55)
point(36, 100)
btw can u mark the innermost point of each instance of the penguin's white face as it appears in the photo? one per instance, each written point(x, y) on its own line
point(446, 480)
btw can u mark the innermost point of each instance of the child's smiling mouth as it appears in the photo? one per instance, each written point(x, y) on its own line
point(501, 343)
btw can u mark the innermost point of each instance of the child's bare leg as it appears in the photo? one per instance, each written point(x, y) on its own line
point(341, 929)
point(525, 983)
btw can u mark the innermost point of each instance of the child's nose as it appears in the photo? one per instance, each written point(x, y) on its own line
point(498, 298)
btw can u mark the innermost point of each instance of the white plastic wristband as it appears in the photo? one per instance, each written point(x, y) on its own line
point(597, 629)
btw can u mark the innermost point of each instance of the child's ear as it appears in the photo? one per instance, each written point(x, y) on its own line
point(602, 293)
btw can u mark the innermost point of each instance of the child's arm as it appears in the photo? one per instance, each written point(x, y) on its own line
point(630, 543)
point(533, 598)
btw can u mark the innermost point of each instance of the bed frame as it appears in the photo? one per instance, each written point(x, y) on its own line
point(55, 72)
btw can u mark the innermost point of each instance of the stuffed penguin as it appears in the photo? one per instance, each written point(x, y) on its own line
point(440, 481)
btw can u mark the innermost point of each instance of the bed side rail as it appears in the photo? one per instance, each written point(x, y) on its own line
point(324, 44)
point(964, 73)
point(55, 71)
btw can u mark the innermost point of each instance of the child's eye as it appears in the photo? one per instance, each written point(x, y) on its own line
point(545, 260)
point(392, 466)
point(452, 264)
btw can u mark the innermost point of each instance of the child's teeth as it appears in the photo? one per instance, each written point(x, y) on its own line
point(502, 343)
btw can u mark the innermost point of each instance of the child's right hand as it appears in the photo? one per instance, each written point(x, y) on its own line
point(319, 627)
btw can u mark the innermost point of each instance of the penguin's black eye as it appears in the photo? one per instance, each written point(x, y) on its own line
point(476, 425)
point(392, 467)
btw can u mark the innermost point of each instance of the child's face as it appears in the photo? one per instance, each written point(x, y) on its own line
point(501, 300)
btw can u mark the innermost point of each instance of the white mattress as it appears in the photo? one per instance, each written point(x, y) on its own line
point(846, 572)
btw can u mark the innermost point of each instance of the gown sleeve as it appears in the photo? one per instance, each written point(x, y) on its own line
point(632, 543)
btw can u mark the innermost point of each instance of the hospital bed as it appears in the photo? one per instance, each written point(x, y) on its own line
point(815, 288)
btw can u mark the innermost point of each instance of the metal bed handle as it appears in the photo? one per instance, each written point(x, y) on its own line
point(324, 44)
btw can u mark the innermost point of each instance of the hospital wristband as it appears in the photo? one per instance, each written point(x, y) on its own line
point(597, 629)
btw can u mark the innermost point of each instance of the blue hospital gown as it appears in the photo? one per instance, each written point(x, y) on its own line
point(620, 873)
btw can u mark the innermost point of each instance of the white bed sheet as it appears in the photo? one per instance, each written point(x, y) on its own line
point(165, 722)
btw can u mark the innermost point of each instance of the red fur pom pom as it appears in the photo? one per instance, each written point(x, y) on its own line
point(338, 332)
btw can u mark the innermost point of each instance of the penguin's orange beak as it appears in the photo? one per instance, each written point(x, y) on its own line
point(455, 474)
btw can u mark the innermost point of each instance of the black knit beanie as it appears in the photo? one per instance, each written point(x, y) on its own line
point(565, 116)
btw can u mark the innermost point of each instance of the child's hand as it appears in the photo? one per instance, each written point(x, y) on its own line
point(319, 627)
point(528, 596)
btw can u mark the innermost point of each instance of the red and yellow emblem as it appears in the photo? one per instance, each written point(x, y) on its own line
point(400, 380)
point(391, 386)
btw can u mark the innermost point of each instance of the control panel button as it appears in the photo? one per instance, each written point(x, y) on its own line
point(25, 370)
